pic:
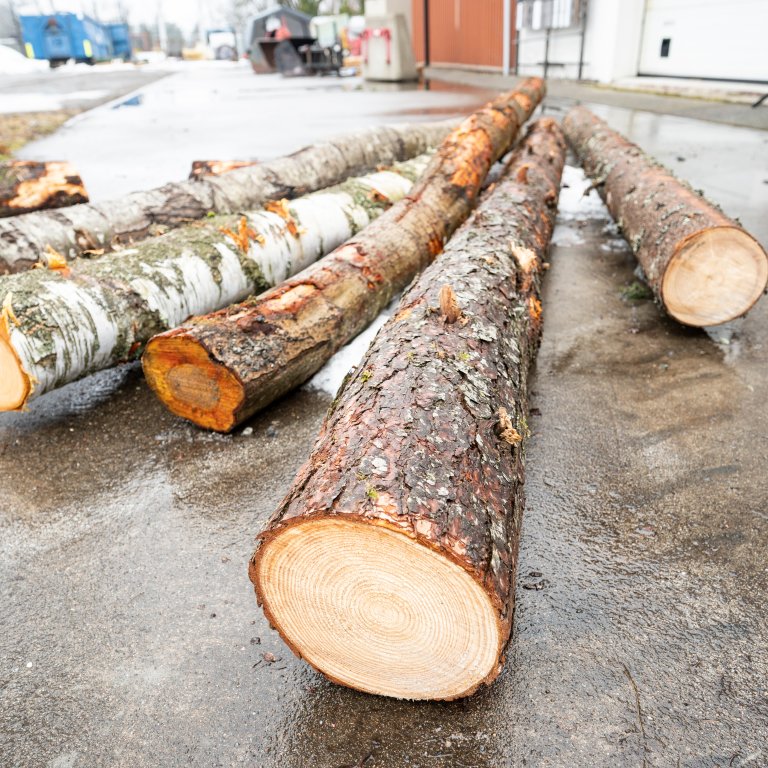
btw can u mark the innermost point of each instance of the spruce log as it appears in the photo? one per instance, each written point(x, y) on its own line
point(390, 564)
point(203, 168)
point(23, 242)
point(68, 320)
point(252, 354)
point(701, 265)
point(27, 185)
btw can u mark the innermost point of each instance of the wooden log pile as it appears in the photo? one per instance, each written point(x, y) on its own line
point(100, 226)
point(28, 185)
point(390, 564)
point(243, 358)
point(67, 320)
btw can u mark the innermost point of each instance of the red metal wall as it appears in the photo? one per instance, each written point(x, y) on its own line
point(462, 32)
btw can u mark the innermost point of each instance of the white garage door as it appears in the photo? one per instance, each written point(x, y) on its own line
point(725, 39)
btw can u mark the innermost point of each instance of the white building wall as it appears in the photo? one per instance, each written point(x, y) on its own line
point(708, 38)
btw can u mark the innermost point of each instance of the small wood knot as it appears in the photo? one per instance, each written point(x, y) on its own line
point(449, 306)
point(505, 430)
point(522, 174)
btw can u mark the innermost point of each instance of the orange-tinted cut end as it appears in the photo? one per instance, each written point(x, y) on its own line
point(14, 382)
point(190, 384)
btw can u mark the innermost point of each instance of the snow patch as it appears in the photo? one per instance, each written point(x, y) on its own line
point(614, 245)
point(44, 102)
point(566, 235)
point(573, 204)
point(330, 377)
point(14, 63)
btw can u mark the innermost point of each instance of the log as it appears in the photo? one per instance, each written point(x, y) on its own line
point(701, 265)
point(390, 564)
point(98, 227)
point(70, 319)
point(28, 185)
point(252, 354)
point(203, 168)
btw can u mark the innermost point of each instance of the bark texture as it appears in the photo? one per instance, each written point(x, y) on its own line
point(701, 265)
point(271, 344)
point(68, 320)
point(427, 436)
point(202, 168)
point(138, 215)
point(26, 185)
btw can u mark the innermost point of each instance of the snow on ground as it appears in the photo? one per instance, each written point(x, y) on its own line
point(44, 102)
point(565, 234)
point(331, 375)
point(573, 204)
point(14, 63)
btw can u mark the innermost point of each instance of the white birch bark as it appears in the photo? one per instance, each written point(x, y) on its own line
point(64, 323)
point(24, 240)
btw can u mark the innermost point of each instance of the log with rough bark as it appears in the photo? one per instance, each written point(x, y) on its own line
point(28, 185)
point(245, 357)
point(390, 564)
point(100, 226)
point(67, 320)
point(203, 168)
point(701, 265)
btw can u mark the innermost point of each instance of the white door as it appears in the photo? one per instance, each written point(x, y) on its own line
point(725, 39)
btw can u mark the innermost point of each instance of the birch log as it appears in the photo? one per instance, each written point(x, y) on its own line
point(23, 242)
point(701, 265)
point(63, 322)
point(28, 185)
point(252, 354)
point(390, 564)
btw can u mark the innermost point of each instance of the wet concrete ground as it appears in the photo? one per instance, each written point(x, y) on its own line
point(720, 103)
point(220, 110)
point(129, 635)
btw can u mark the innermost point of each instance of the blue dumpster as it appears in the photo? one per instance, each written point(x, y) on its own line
point(58, 37)
point(120, 35)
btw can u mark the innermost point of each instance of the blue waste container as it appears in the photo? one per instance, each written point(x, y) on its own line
point(58, 37)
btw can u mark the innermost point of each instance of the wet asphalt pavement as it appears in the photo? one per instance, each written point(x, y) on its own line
point(74, 86)
point(129, 634)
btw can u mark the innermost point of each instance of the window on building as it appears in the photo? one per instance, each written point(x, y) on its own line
point(549, 14)
point(665, 47)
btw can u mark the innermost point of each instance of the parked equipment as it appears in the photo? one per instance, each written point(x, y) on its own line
point(264, 27)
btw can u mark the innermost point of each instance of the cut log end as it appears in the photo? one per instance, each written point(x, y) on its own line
point(190, 384)
point(14, 383)
point(375, 610)
point(714, 276)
